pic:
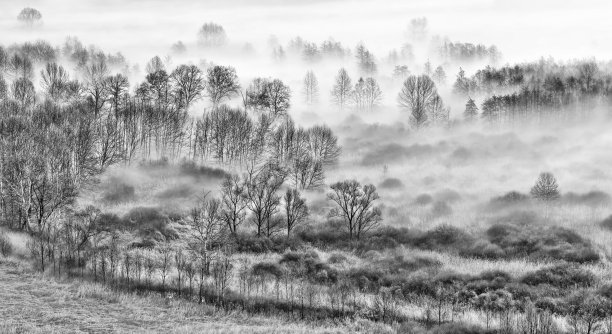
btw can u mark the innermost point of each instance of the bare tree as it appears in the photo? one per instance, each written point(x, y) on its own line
point(546, 188)
point(372, 93)
point(29, 16)
point(155, 65)
point(417, 29)
point(54, 80)
point(188, 84)
point(365, 60)
point(262, 197)
point(234, 202)
point(296, 210)
point(23, 92)
point(311, 88)
point(416, 97)
point(116, 88)
point(341, 92)
point(95, 75)
point(439, 75)
point(355, 206)
point(221, 84)
point(323, 145)
point(212, 35)
point(207, 231)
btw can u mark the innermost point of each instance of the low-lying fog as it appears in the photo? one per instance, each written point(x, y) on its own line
point(463, 165)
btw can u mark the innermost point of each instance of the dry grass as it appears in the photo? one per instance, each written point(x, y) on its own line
point(30, 303)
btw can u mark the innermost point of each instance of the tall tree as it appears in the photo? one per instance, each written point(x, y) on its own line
point(212, 35)
point(262, 197)
point(296, 210)
point(341, 92)
point(233, 202)
point(221, 84)
point(416, 97)
point(54, 80)
point(471, 110)
point(365, 60)
point(311, 88)
point(188, 83)
point(439, 76)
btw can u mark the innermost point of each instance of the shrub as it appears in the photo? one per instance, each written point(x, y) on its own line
point(309, 265)
point(441, 209)
point(444, 236)
point(561, 276)
point(592, 198)
point(459, 328)
point(391, 183)
point(509, 199)
point(448, 195)
point(423, 199)
point(337, 258)
point(606, 223)
point(542, 243)
point(118, 192)
point(6, 248)
point(252, 244)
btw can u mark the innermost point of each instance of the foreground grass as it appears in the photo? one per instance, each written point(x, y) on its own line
point(30, 303)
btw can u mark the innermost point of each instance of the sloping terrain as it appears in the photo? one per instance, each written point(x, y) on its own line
point(31, 304)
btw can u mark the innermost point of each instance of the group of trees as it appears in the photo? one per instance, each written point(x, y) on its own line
point(364, 95)
point(539, 91)
point(420, 97)
point(468, 52)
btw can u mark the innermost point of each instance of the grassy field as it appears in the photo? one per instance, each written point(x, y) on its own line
point(31, 303)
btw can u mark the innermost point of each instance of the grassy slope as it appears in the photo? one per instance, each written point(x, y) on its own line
point(29, 303)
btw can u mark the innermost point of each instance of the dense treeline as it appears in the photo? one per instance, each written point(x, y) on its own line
point(539, 91)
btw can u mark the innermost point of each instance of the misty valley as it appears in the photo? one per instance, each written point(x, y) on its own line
point(192, 174)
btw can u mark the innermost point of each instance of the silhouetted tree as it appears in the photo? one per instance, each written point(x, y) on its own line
point(296, 210)
point(355, 206)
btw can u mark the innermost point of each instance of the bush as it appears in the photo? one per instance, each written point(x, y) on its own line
point(607, 223)
point(441, 209)
point(423, 199)
point(337, 258)
point(309, 265)
point(391, 183)
point(542, 243)
point(150, 223)
point(6, 248)
point(592, 198)
point(252, 244)
point(118, 192)
point(509, 199)
point(561, 276)
point(459, 328)
point(248, 243)
point(444, 237)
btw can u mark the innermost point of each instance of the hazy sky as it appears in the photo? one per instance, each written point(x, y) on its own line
point(523, 29)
